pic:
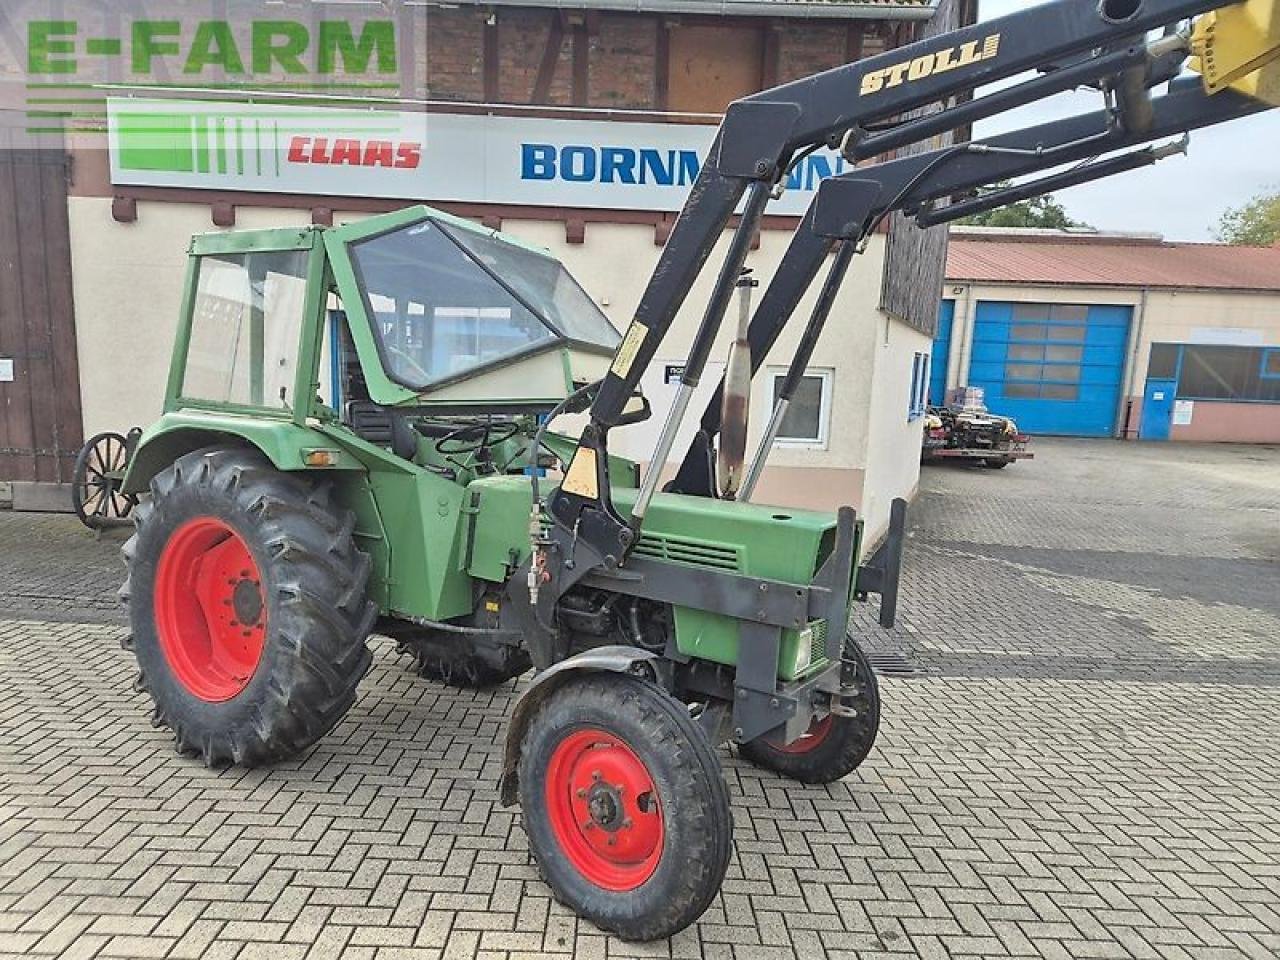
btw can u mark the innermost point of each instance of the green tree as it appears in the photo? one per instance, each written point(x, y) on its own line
point(1257, 223)
point(1037, 212)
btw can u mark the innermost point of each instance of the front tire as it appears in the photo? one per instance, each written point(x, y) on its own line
point(625, 806)
point(247, 601)
point(994, 464)
point(834, 746)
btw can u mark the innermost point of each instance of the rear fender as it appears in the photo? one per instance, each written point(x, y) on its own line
point(284, 443)
point(611, 659)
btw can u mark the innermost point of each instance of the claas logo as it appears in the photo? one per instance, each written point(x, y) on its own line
point(351, 152)
point(942, 61)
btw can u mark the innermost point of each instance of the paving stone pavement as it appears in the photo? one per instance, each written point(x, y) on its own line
point(1088, 765)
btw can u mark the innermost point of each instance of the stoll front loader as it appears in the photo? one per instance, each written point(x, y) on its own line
point(420, 497)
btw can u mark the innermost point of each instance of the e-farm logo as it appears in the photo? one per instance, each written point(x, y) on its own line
point(67, 63)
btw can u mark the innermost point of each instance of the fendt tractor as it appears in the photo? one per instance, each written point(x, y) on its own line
point(357, 437)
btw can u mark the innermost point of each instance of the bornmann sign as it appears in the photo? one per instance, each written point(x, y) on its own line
point(603, 164)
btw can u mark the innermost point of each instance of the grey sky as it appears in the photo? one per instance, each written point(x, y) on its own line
point(1181, 197)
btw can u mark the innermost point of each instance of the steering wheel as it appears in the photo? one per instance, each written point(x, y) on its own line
point(475, 436)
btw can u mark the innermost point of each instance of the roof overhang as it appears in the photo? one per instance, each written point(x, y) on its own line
point(771, 9)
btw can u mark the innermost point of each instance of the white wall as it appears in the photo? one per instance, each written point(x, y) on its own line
point(893, 450)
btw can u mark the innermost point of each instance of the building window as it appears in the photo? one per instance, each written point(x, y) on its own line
point(808, 416)
point(1271, 363)
point(919, 386)
point(1229, 373)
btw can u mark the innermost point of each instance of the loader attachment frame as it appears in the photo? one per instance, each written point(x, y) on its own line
point(854, 108)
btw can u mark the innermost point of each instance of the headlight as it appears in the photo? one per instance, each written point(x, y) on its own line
point(804, 650)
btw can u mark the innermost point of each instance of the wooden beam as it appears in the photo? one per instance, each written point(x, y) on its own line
point(491, 65)
point(854, 35)
point(408, 59)
point(581, 51)
point(550, 57)
point(770, 55)
point(662, 67)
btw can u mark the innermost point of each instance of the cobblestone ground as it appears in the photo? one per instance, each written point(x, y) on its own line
point(1086, 764)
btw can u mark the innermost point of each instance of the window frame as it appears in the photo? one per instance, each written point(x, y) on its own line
point(918, 400)
point(827, 376)
point(308, 240)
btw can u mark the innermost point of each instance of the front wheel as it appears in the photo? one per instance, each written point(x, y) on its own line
point(994, 464)
point(625, 806)
point(833, 747)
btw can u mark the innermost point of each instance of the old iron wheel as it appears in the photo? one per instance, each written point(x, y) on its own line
point(247, 604)
point(625, 805)
point(96, 478)
point(834, 746)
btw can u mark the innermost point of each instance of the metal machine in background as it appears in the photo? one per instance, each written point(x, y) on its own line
point(431, 499)
point(964, 429)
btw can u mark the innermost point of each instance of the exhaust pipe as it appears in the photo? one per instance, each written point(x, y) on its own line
point(736, 400)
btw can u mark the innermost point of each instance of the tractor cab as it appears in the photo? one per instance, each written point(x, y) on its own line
point(442, 316)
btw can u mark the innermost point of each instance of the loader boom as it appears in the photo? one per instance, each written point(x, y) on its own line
point(1072, 42)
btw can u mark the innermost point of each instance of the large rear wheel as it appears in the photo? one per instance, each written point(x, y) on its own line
point(625, 806)
point(247, 601)
point(833, 747)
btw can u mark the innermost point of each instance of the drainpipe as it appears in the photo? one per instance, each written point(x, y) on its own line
point(1124, 409)
point(961, 337)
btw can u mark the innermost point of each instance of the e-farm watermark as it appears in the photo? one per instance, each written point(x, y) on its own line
point(260, 47)
point(71, 61)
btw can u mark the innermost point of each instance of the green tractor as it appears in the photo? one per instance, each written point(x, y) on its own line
point(356, 438)
point(425, 496)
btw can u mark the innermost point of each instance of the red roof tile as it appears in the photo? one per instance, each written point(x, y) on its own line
point(1111, 261)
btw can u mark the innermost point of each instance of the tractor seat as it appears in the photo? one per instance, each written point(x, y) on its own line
point(384, 427)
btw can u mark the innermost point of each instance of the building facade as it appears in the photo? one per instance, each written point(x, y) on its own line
point(575, 127)
point(1115, 335)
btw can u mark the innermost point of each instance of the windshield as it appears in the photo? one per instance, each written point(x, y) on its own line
point(438, 314)
point(544, 284)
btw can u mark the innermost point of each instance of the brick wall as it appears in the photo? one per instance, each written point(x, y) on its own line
point(622, 54)
point(621, 69)
point(452, 60)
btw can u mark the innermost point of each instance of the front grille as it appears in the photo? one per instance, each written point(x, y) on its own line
point(697, 553)
point(818, 645)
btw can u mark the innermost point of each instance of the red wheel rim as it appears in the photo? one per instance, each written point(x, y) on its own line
point(604, 809)
point(818, 731)
point(210, 611)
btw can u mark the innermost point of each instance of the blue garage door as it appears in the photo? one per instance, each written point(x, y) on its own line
point(941, 349)
point(1055, 368)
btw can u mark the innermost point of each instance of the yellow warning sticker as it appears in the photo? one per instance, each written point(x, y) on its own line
point(580, 479)
point(628, 349)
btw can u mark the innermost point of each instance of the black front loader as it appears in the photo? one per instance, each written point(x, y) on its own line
point(853, 108)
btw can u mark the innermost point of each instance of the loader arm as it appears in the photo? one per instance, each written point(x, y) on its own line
point(1074, 41)
point(1184, 108)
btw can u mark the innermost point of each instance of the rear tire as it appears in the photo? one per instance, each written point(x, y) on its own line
point(834, 746)
point(625, 806)
point(247, 600)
